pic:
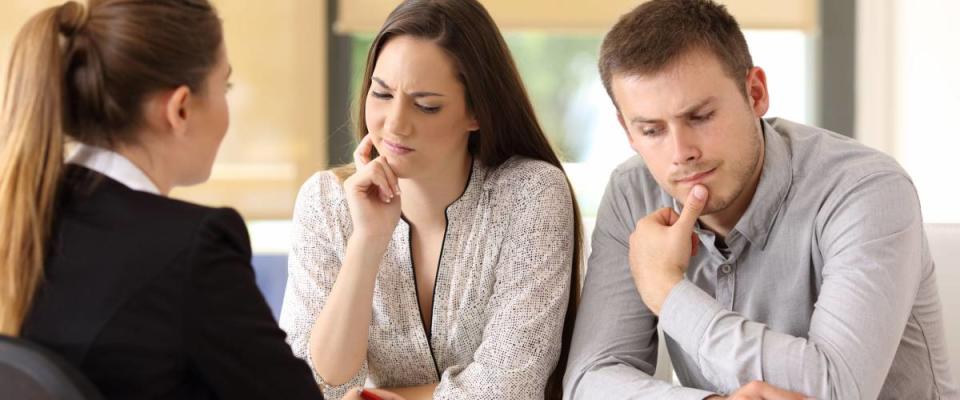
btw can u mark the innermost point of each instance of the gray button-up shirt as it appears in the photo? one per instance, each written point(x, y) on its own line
point(828, 287)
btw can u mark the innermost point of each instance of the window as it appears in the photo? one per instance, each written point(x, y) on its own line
point(907, 89)
point(560, 73)
point(929, 88)
point(276, 136)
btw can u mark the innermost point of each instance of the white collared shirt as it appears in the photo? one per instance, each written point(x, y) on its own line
point(113, 165)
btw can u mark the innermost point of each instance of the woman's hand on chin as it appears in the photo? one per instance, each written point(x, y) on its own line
point(373, 194)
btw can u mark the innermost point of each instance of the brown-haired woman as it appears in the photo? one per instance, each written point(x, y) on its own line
point(148, 296)
point(445, 264)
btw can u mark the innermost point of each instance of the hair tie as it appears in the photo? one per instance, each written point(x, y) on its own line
point(72, 17)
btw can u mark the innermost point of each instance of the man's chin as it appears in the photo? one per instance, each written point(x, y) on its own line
point(714, 207)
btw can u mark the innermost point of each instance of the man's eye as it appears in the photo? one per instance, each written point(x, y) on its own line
point(703, 117)
point(650, 131)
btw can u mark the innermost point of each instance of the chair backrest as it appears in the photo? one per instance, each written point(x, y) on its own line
point(271, 273)
point(944, 241)
point(28, 371)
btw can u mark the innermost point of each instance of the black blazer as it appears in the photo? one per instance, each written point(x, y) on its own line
point(155, 298)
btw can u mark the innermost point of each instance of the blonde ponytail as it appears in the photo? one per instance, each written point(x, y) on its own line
point(57, 87)
point(31, 158)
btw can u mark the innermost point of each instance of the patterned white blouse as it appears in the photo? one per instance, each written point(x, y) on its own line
point(501, 290)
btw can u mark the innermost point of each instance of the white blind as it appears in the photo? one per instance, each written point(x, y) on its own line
point(366, 16)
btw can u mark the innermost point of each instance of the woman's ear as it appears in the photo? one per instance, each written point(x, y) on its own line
point(178, 110)
point(473, 125)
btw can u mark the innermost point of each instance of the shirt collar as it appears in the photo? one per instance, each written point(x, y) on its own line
point(114, 166)
point(776, 179)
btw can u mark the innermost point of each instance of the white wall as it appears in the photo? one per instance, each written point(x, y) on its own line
point(909, 94)
point(908, 102)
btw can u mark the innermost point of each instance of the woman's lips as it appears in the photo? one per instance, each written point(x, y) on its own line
point(396, 148)
point(696, 178)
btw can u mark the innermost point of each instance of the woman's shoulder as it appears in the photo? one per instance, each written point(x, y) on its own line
point(222, 225)
point(520, 183)
point(90, 198)
point(321, 199)
point(323, 184)
point(323, 188)
point(522, 174)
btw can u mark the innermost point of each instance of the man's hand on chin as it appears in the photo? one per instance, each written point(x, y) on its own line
point(661, 247)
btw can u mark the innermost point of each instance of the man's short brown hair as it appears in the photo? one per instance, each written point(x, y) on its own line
point(647, 39)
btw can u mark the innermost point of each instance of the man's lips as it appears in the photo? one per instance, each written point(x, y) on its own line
point(696, 178)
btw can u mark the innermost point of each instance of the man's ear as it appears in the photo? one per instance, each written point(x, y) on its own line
point(756, 89)
point(178, 110)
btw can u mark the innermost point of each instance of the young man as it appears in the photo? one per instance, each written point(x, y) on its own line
point(780, 260)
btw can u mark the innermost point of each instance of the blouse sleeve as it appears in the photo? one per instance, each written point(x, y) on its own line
point(315, 258)
point(522, 337)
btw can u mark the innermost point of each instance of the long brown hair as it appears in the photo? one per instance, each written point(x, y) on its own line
point(83, 73)
point(496, 96)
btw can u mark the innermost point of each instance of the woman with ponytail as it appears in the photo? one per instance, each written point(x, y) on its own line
point(148, 296)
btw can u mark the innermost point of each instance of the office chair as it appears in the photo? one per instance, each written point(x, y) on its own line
point(30, 372)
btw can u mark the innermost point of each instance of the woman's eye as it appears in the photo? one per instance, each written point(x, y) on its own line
point(428, 109)
point(379, 95)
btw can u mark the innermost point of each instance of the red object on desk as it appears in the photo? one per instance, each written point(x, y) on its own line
point(368, 395)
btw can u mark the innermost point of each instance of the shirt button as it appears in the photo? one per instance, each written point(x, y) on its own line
point(725, 269)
